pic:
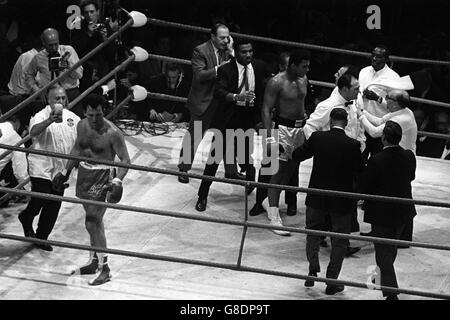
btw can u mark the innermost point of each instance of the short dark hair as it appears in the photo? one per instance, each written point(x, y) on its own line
point(298, 56)
point(345, 81)
point(215, 27)
point(338, 114)
point(386, 51)
point(392, 132)
point(239, 42)
point(94, 100)
point(84, 3)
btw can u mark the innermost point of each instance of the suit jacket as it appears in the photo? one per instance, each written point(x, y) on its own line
point(204, 61)
point(389, 173)
point(227, 82)
point(337, 161)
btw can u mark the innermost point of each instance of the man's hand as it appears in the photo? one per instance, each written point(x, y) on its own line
point(153, 116)
point(59, 182)
point(247, 96)
point(369, 94)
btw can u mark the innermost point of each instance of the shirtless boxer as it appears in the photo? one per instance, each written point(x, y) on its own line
point(287, 90)
point(97, 138)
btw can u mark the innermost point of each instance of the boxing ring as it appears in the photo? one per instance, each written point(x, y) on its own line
point(206, 251)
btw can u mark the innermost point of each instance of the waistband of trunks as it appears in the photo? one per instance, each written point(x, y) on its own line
point(299, 123)
point(95, 166)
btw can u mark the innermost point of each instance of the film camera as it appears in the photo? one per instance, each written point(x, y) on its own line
point(56, 62)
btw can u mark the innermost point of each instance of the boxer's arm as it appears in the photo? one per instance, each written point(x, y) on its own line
point(120, 148)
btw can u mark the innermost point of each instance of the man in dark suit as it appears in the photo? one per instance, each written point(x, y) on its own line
point(436, 147)
point(389, 173)
point(239, 92)
point(337, 161)
point(206, 59)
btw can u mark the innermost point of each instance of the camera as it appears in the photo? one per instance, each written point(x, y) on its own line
point(54, 62)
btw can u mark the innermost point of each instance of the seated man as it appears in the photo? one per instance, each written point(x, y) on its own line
point(171, 82)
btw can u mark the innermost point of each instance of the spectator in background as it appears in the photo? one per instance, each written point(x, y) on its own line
point(173, 83)
point(92, 33)
point(52, 61)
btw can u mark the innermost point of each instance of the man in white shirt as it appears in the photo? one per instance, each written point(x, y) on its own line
point(345, 91)
point(52, 61)
point(52, 129)
point(371, 97)
point(397, 101)
point(14, 166)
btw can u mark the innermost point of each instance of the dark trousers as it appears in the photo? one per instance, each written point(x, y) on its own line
point(191, 141)
point(373, 146)
point(48, 209)
point(211, 167)
point(385, 255)
point(290, 198)
point(407, 232)
point(316, 220)
point(8, 180)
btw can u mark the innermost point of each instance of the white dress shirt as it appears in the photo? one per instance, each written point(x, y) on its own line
point(250, 78)
point(19, 160)
point(404, 117)
point(17, 84)
point(368, 76)
point(319, 120)
point(57, 137)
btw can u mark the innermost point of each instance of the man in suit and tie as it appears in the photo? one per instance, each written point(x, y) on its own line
point(388, 173)
point(337, 161)
point(206, 59)
point(239, 92)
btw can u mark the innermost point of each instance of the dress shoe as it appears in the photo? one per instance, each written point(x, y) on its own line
point(351, 251)
point(200, 205)
point(45, 247)
point(333, 289)
point(183, 179)
point(27, 227)
point(310, 283)
point(256, 210)
point(236, 176)
point(366, 234)
point(392, 297)
point(291, 210)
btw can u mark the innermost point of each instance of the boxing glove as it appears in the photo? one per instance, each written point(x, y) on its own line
point(115, 191)
point(58, 182)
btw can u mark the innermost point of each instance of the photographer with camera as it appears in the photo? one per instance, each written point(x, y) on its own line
point(94, 30)
point(52, 61)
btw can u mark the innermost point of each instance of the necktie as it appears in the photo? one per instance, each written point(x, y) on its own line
point(222, 56)
point(244, 84)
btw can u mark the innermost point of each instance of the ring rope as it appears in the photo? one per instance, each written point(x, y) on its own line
point(341, 194)
point(76, 65)
point(314, 82)
point(109, 116)
point(199, 262)
point(164, 23)
point(233, 267)
point(162, 96)
point(175, 214)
